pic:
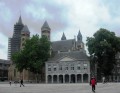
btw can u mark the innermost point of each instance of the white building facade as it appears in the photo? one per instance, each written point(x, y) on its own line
point(68, 70)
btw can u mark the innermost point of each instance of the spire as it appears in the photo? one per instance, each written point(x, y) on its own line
point(25, 29)
point(45, 26)
point(79, 36)
point(20, 20)
point(63, 37)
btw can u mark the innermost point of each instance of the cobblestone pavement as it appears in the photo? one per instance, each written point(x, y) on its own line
point(60, 88)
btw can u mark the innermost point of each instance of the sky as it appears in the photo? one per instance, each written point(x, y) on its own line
point(68, 16)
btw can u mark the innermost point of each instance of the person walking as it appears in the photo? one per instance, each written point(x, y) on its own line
point(10, 82)
point(103, 80)
point(93, 83)
point(21, 83)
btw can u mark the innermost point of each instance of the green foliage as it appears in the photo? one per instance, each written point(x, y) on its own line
point(33, 55)
point(104, 45)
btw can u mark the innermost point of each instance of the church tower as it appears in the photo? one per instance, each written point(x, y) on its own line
point(63, 37)
point(80, 44)
point(14, 42)
point(25, 34)
point(45, 30)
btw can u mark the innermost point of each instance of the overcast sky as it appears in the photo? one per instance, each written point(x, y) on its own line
point(68, 16)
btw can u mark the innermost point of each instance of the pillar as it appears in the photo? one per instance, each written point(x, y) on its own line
point(52, 78)
point(69, 78)
point(82, 77)
point(76, 79)
point(57, 78)
point(63, 78)
point(46, 79)
point(88, 77)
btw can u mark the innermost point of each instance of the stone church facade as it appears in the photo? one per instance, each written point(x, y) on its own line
point(69, 62)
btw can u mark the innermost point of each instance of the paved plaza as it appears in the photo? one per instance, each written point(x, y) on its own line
point(60, 88)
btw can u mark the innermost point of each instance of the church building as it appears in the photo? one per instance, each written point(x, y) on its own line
point(69, 62)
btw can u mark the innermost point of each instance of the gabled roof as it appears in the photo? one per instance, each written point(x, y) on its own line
point(63, 45)
point(75, 55)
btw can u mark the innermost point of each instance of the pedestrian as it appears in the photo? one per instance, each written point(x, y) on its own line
point(21, 82)
point(15, 82)
point(103, 80)
point(93, 83)
point(10, 82)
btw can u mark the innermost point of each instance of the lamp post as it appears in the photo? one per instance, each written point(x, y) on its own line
point(96, 69)
point(94, 59)
point(3, 68)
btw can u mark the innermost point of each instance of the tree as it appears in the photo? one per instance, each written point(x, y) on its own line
point(34, 54)
point(103, 47)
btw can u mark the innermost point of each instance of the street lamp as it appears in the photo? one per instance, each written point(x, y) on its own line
point(94, 60)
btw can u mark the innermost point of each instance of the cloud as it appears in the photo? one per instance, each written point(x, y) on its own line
point(68, 16)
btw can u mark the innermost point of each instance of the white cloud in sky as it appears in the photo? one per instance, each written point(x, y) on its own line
point(68, 16)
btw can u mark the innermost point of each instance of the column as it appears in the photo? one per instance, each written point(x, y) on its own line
point(82, 77)
point(117, 78)
point(46, 79)
point(69, 78)
point(52, 78)
point(57, 78)
point(88, 77)
point(63, 78)
point(76, 79)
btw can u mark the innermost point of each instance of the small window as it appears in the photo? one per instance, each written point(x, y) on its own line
point(72, 66)
point(22, 44)
point(49, 67)
point(85, 66)
point(78, 67)
point(60, 67)
point(66, 68)
point(23, 39)
point(55, 68)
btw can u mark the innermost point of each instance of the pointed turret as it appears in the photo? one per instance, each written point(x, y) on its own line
point(45, 30)
point(20, 20)
point(80, 44)
point(45, 26)
point(63, 37)
point(79, 36)
point(25, 29)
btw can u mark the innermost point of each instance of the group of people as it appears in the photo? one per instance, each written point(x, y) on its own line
point(93, 82)
point(21, 82)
